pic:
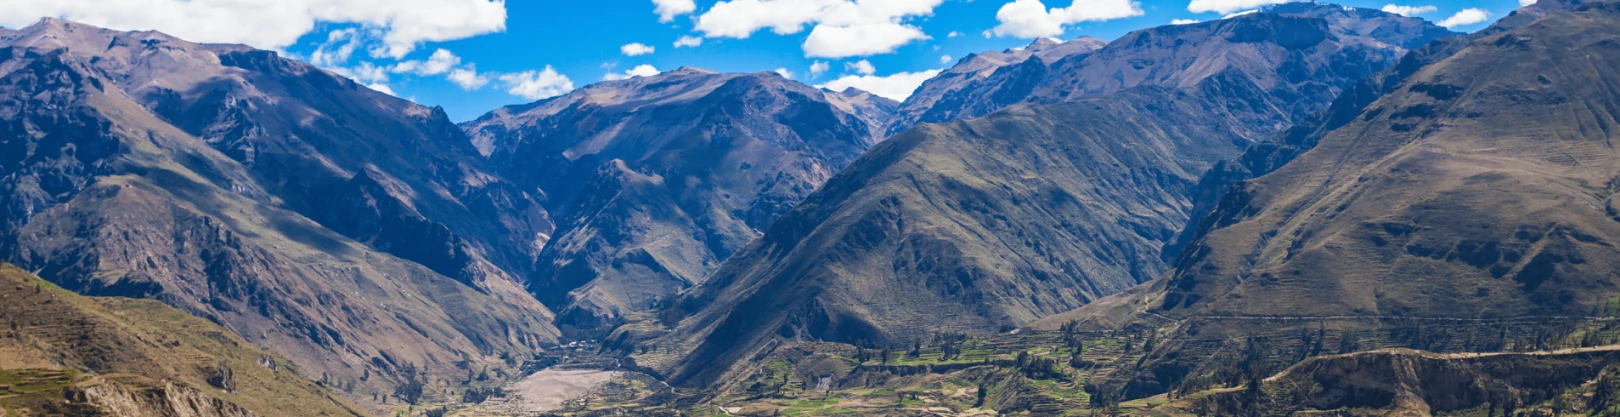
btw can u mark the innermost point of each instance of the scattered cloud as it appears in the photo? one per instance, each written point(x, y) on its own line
point(1465, 17)
point(668, 9)
point(1229, 6)
point(468, 78)
point(1242, 13)
point(339, 45)
point(1524, 3)
point(1408, 10)
point(364, 73)
point(784, 73)
point(864, 39)
point(1184, 21)
point(642, 70)
point(842, 28)
point(688, 42)
point(944, 59)
point(953, 34)
point(440, 62)
point(535, 85)
point(896, 86)
point(397, 26)
point(636, 49)
point(863, 67)
point(383, 88)
point(819, 67)
point(1032, 19)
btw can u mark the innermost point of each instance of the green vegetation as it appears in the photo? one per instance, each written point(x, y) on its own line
point(36, 390)
point(136, 344)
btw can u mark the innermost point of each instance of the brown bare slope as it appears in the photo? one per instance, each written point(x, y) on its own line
point(115, 356)
point(656, 179)
point(205, 176)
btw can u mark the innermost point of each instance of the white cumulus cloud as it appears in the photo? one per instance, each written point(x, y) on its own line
point(440, 62)
point(863, 67)
point(383, 88)
point(843, 28)
point(944, 59)
point(642, 70)
point(1408, 10)
point(1229, 6)
point(1523, 3)
point(1465, 17)
point(896, 86)
point(339, 45)
point(688, 42)
point(535, 85)
point(399, 25)
point(1032, 19)
point(819, 67)
point(636, 49)
point(468, 78)
point(668, 9)
point(864, 39)
point(1183, 21)
point(364, 73)
point(784, 73)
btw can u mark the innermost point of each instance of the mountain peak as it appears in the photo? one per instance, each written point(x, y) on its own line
point(1042, 43)
point(692, 70)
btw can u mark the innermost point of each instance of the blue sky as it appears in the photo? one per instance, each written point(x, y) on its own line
point(519, 50)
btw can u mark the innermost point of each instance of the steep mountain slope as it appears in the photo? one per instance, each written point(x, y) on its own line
point(1479, 188)
point(656, 179)
point(1264, 157)
point(1482, 186)
point(988, 224)
point(293, 206)
point(982, 83)
point(968, 227)
point(66, 354)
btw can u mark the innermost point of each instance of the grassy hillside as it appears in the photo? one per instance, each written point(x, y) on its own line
point(65, 354)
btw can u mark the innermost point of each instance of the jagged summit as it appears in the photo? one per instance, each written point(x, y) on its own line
point(696, 70)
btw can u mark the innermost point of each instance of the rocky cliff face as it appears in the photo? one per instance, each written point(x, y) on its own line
point(350, 230)
point(656, 179)
point(982, 83)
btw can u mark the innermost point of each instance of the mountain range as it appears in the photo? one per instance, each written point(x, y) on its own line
point(982, 225)
point(353, 232)
point(1182, 217)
